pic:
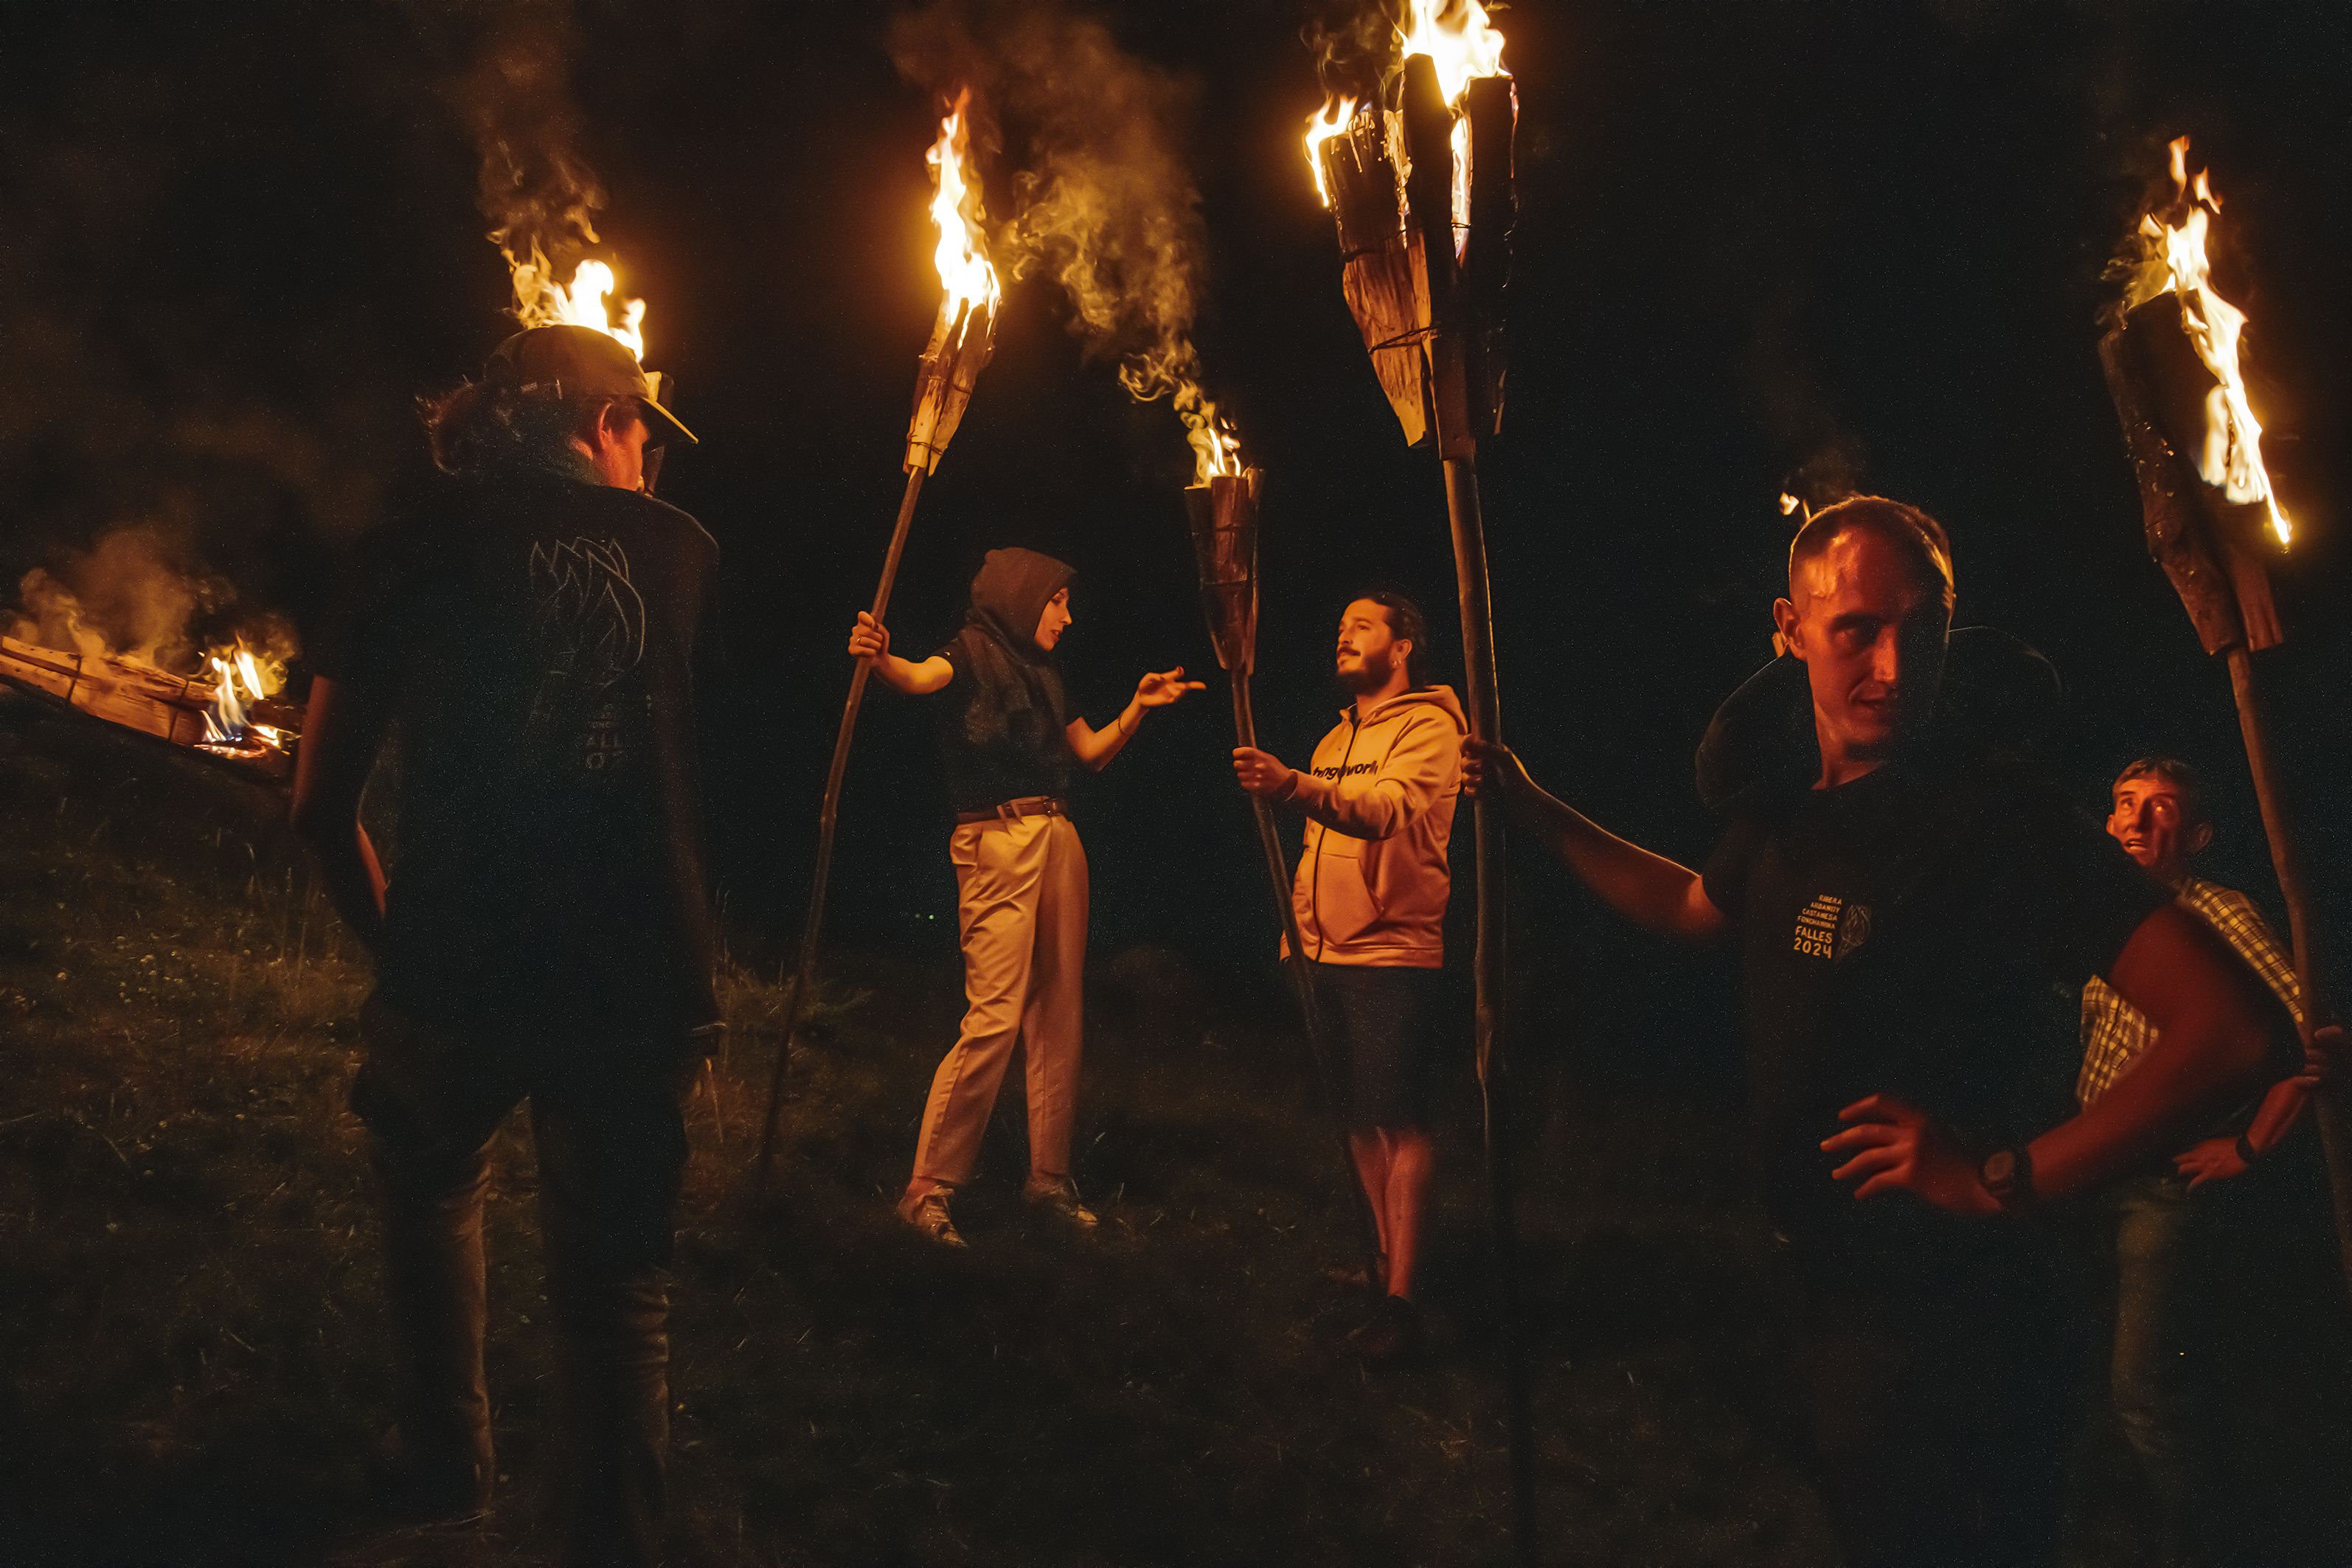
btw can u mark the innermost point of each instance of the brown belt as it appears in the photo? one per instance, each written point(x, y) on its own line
point(1015, 810)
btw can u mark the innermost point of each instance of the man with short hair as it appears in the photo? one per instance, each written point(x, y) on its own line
point(1371, 896)
point(546, 934)
point(1900, 922)
point(2172, 1239)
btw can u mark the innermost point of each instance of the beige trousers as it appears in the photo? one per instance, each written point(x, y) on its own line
point(1021, 907)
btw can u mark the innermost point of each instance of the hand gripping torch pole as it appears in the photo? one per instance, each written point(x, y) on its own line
point(1431, 319)
point(960, 348)
point(1223, 515)
point(2209, 547)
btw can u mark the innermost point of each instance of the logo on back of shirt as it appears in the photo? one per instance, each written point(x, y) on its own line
point(1830, 927)
point(588, 626)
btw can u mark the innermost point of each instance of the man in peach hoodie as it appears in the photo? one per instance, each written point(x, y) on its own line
point(1371, 894)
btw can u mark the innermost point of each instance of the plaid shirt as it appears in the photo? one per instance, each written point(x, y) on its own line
point(2115, 1033)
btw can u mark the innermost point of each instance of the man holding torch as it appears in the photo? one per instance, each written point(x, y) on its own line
point(1900, 923)
point(546, 935)
point(1371, 896)
point(1008, 743)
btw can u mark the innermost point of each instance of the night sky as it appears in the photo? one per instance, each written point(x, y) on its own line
point(1760, 242)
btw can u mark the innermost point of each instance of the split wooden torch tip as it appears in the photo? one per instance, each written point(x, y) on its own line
point(1223, 515)
point(960, 350)
point(2211, 548)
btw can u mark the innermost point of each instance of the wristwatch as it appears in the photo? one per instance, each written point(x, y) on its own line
point(2008, 1175)
point(2246, 1150)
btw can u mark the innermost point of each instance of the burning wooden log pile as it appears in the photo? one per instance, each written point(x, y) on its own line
point(226, 710)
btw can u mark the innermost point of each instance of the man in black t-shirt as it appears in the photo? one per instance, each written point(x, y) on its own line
point(1912, 928)
point(528, 631)
point(1009, 744)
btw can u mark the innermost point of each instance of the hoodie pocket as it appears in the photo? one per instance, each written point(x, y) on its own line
point(1344, 905)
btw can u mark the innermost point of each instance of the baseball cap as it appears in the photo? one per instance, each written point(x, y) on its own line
point(565, 361)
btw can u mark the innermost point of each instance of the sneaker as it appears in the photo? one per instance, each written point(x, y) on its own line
point(1061, 1197)
point(1394, 1334)
point(928, 1213)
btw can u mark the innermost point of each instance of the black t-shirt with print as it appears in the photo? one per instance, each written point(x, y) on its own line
point(996, 746)
point(534, 635)
point(1923, 931)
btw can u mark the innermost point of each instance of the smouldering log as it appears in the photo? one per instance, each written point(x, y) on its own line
point(139, 697)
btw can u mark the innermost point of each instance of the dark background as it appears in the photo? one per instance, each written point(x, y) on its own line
point(1762, 245)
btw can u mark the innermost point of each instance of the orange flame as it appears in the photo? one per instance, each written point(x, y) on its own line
point(1333, 120)
point(2232, 455)
point(540, 302)
point(973, 291)
point(241, 678)
point(1458, 39)
point(1216, 445)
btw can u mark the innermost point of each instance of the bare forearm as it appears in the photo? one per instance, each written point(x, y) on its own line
point(354, 880)
point(915, 679)
point(1095, 748)
point(2275, 1118)
point(1649, 890)
point(2184, 1074)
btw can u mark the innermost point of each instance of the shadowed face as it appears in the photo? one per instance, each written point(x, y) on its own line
point(1869, 619)
point(616, 447)
point(1370, 652)
point(1054, 621)
point(2152, 821)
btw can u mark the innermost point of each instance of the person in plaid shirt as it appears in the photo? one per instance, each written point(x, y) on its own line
point(2169, 1243)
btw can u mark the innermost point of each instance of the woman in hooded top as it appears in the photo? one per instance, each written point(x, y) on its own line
point(1008, 743)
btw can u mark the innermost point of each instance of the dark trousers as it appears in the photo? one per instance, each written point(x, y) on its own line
point(607, 1116)
point(2165, 1370)
point(1936, 1419)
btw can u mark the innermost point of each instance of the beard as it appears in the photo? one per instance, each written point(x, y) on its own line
point(1363, 676)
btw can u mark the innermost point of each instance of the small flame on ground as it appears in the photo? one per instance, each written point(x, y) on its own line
point(539, 302)
point(2232, 457)
point(240, 678)
point(1332, 120)
point(972, 288)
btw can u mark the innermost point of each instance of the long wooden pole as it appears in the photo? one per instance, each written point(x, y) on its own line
point(804, 974)
point(2286, 863)
point(1489, 969)
point(1302, 979)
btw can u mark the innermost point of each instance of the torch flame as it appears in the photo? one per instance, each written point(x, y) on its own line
point(1332, 120)
point(2232, 457)
point(1458, 39)
point(1216, 445)
point(965, 272)
point(540, 302)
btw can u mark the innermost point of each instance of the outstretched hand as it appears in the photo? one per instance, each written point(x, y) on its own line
point(1493, 768)
point(1894, 1146)
point(869, 638)
point(1261, 773)
point(1158, 688)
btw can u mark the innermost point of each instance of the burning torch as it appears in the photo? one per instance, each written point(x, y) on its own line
point(2209, 514)
point(1424, 261)
point(1223, 508)
point(962, 338)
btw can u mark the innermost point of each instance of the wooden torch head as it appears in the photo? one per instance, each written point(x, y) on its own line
point(959, 348)
point(1223, 515)
point(2211, 548)
point(1425, 283)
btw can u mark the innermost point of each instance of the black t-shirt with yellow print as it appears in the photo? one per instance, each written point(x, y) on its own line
point(1924, 931)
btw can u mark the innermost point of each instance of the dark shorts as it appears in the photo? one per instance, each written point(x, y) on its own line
point(1383, 1025)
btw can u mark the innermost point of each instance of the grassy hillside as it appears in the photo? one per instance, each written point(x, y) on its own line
point(190, 1314)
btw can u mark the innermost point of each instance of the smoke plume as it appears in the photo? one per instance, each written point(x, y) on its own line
point(537, 191)
point(1103, 203)
point(124, 595)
